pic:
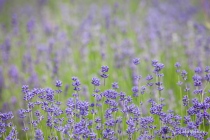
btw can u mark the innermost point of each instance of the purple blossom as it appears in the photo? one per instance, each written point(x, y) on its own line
point(104, 75)
point(58, 83)
point(39, 135)
point(185, 100)
point(198, 70)
point(115, 85)
point(165, 130)
point(95, 81)
point(6, 116)
point(207, 69)
point(25, 89)
point(184, 75)
point(135, 89)
point(136, 61)
point(104, 69)
point(112, 94)
point(158, 67)
point(149, 77)
point(108, 133)
point(76, 83)
point(49, 95)
point(143, 89)
point(137, 77)
point(177, 65)
point(154, 62)
point(207, 77)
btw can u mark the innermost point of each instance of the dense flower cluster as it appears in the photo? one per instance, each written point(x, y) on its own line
point(104, 118)
point(131, 96)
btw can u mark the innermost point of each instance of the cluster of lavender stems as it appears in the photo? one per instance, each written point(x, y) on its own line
point(114, 114)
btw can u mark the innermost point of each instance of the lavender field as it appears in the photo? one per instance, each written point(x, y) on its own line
point(104, 70)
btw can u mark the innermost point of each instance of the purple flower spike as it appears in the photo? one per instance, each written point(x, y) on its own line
point(104, 69)
point(49, 95)
point(136, 61)
point(39, 135)
point(154, 62)
point(149, 77)
point(58, 83)
point(158, 67)
point(198, 70)
point(177, 65)
point(96, 81)
point(115, 85)
point(135, 89)
point(207, 69)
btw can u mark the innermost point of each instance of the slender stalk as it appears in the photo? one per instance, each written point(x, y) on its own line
point(180, 91)
point(159, 93)
point(26, 131)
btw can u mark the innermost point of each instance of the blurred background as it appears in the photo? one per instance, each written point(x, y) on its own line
point(45, 40)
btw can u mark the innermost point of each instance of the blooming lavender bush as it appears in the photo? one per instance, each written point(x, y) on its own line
point(113, 114)
point(117, 65)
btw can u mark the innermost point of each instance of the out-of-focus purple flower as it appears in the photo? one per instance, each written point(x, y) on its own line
point(145, 121)
point(115, 85)
point(112, 94)
point(25, 89)
point(25, 129)
point(111, 102)
point(108, 133)
point(110, 122)
point(81, 128)
point(184, 75)
point(122, 96)
point(96, 81)
point(21, 113)
point(165, 130)
point(160, 88)
point(74, 78)
point(198, 91)
point(6, 116)
point(76, 83)
point(158, 67)
point(49, 95)
point(83, 107)
point(104, 75)
point(12, 134)
point(198, 70)
point(177, 65)
point(137, 77)
point(13, 73)
point(149, 77)
point(197, 80)
point(70, 103)
point(30, 25)
point(187, 119)
point(185, 100)
point(39, 135)
point(207, 69)
point(104, 69)
point(191, 125)
point(154, 62)
point(1, 81)
point(58, 83)
point(207, 77)
point(135, 89)
point(136, 61)
point(143, 88)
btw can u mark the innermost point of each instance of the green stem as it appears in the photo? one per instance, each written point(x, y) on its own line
point(26, 132)
point(180, 90)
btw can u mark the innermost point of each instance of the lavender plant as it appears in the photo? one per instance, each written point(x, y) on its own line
point(43, 41)
point(113, 115)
